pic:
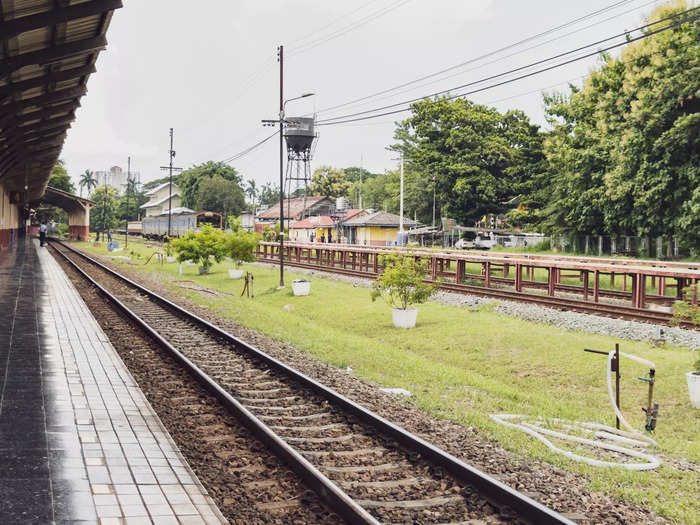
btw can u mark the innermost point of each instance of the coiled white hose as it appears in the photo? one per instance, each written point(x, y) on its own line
point(631, 438)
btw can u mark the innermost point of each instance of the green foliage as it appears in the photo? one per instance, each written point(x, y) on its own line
point(200, 247)
point(543, 246)
point(330, 182)
point(685, 311)
point(148, 186)
point(220, 195)
point(189, 180)
point(269, 235)
point(87, 180)
point(62, 229)
point(623, 154)
point(480, 158)
point(269, 195)
point(130, 202)
point(60, 179)
point(240, 245)
point(103, 215)
point(401, 282)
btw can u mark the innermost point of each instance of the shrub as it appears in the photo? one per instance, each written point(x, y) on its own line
point(270, 235)
point(401, 283)
point(62, 229)
point(200, 247)
point(240, 246)
point(684, 311)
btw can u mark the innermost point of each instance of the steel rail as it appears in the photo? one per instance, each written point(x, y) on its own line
point(497, 492)
point(328, 491)
point(608, 310)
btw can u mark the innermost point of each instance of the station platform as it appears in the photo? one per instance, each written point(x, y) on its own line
point(79, 442)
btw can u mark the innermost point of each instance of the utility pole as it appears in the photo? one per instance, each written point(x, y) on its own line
point(281, 121)
point(281, 59)
point(104, 207)
point(171, 155)
point(433, 201)
point(128, 180)
point(401, 199)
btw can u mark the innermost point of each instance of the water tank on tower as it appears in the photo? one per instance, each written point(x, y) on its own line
point(300, 135)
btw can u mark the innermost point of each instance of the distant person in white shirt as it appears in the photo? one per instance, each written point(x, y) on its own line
point(42, 232)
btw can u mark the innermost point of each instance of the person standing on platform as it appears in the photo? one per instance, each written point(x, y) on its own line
point(42, 232)
point(109, 235)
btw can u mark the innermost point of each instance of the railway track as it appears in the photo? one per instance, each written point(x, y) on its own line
point(558, 303)
point(362, 466)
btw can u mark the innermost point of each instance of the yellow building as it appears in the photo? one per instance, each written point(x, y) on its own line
point(375, 229)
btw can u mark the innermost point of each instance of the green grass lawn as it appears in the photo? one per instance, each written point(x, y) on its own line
point(463, 365)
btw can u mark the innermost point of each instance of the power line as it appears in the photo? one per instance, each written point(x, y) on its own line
point(249, 149)
point(344, 118)
point(341, 32)
point(332, 22)
point(476, 59)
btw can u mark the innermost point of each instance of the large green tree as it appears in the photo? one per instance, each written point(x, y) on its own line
point(104, 214)
point(130, 202)
point(190, 180)
point(220, 195)
point(329, 182)
point(269, 195)
point(479, 157)
point(624, 153)
point(60, 179)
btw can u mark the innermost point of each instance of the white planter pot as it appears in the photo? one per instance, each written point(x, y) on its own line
point(301, 287)
point(404, 318)
point(235, 274)
point(203, 270)
point(694, 388)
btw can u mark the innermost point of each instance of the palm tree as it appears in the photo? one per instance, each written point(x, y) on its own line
point(87, 179)
point(252, 191)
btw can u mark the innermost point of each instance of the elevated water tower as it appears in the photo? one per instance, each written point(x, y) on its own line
point(301, 138)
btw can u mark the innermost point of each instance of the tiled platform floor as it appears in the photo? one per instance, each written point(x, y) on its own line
point(79, 442)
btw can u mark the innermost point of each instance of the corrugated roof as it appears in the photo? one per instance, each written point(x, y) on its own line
point(47, 51)
point(380, 218)
point(292, 207)
point(319, 221)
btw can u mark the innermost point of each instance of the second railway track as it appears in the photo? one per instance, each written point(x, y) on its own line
point(362, 466)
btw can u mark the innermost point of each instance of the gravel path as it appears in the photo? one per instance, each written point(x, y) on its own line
point(556, 488)
point(568, 320)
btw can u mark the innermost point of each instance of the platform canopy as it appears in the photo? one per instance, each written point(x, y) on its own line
point(48, 49)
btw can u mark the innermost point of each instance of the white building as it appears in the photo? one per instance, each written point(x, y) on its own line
point(116, 177)
point(158, 199)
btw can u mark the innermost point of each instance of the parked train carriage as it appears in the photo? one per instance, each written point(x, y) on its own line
point(157, 227)
point(134, 227)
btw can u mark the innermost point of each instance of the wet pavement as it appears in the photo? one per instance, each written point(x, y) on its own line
point(79, 443)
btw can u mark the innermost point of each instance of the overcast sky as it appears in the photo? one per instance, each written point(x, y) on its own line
point(208, 69)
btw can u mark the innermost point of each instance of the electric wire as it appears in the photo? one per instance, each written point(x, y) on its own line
point(341, 32)
point(244, 152)
point(393, 91)
point(331, 23)
point(347, 118)
point(481, 57)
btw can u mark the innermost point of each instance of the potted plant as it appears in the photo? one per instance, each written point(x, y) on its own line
point(200, 247)
point(240, 247)
point(401, 284)
point(301, 287)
